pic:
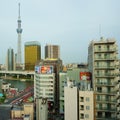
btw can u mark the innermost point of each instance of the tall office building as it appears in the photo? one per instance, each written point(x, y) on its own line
point(52, 51)
point(19, 32)
point(103, 64)
point(10, 59)
point(32, 54)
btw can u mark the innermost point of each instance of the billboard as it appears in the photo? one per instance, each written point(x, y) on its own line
point(46, 69)
point(85, 76)
point(37, 69)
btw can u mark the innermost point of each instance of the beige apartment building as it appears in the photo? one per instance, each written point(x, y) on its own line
point(103, 64)
point(79, 104)
point(86, 105)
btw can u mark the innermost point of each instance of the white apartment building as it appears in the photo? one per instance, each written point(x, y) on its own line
point(86, 105)
point(70, 101)
point(103, 64)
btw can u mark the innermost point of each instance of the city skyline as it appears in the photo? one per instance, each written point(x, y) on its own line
point(71, 25)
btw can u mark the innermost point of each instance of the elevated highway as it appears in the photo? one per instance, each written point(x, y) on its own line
point(18, 74)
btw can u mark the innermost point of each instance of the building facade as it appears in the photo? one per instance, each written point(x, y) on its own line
point(72, 73)
point(44, 83)
point(52, 51)
point(102, 63)
point(41, 109)
point(32, 54)
point(23, 112)
point(86, 105)
point(10, 59)
point(71, 101)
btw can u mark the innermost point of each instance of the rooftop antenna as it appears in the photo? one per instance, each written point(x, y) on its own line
point(100, 32)
point(19, 10)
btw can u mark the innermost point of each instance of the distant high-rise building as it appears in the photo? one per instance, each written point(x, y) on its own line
point(19, 32)
point(52, 51)
point(10, 59)
point(32, 54)
point(103, 64)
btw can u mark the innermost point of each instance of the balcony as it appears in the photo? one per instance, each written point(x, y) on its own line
point(106, 92)
point(104, 84)
point(105, 58)
point(105, 100)
point(104, 67)
point(104, 50)
point(105, 75)
point(106, 109)
point(104, 118)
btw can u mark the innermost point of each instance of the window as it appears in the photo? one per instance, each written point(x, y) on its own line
point(87, 107)
point(99, 47)
point(86, 116)
point(81, 99)
point(87, 99)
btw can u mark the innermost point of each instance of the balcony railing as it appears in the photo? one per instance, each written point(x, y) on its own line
point(105, 49)
point(106, 92)
point(105, 58)
point(105, 109)
point(105, 75)
point(105, 100)
point(104, 84)
point(104, 67)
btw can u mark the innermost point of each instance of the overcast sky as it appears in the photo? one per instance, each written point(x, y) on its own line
point(71, 24)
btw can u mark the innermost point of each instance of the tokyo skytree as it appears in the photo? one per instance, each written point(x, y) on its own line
point(19, 32)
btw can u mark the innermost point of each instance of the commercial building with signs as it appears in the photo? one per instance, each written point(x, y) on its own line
point(32, 54)
point(103, 64)
point(44, 83)
point(52, 51)
point(57, 67)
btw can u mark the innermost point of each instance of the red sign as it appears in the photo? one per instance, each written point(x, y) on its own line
point(85, 76)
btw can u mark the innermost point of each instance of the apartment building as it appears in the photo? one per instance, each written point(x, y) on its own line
point(103, 64)
point(71, 101)
point(86, 105)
